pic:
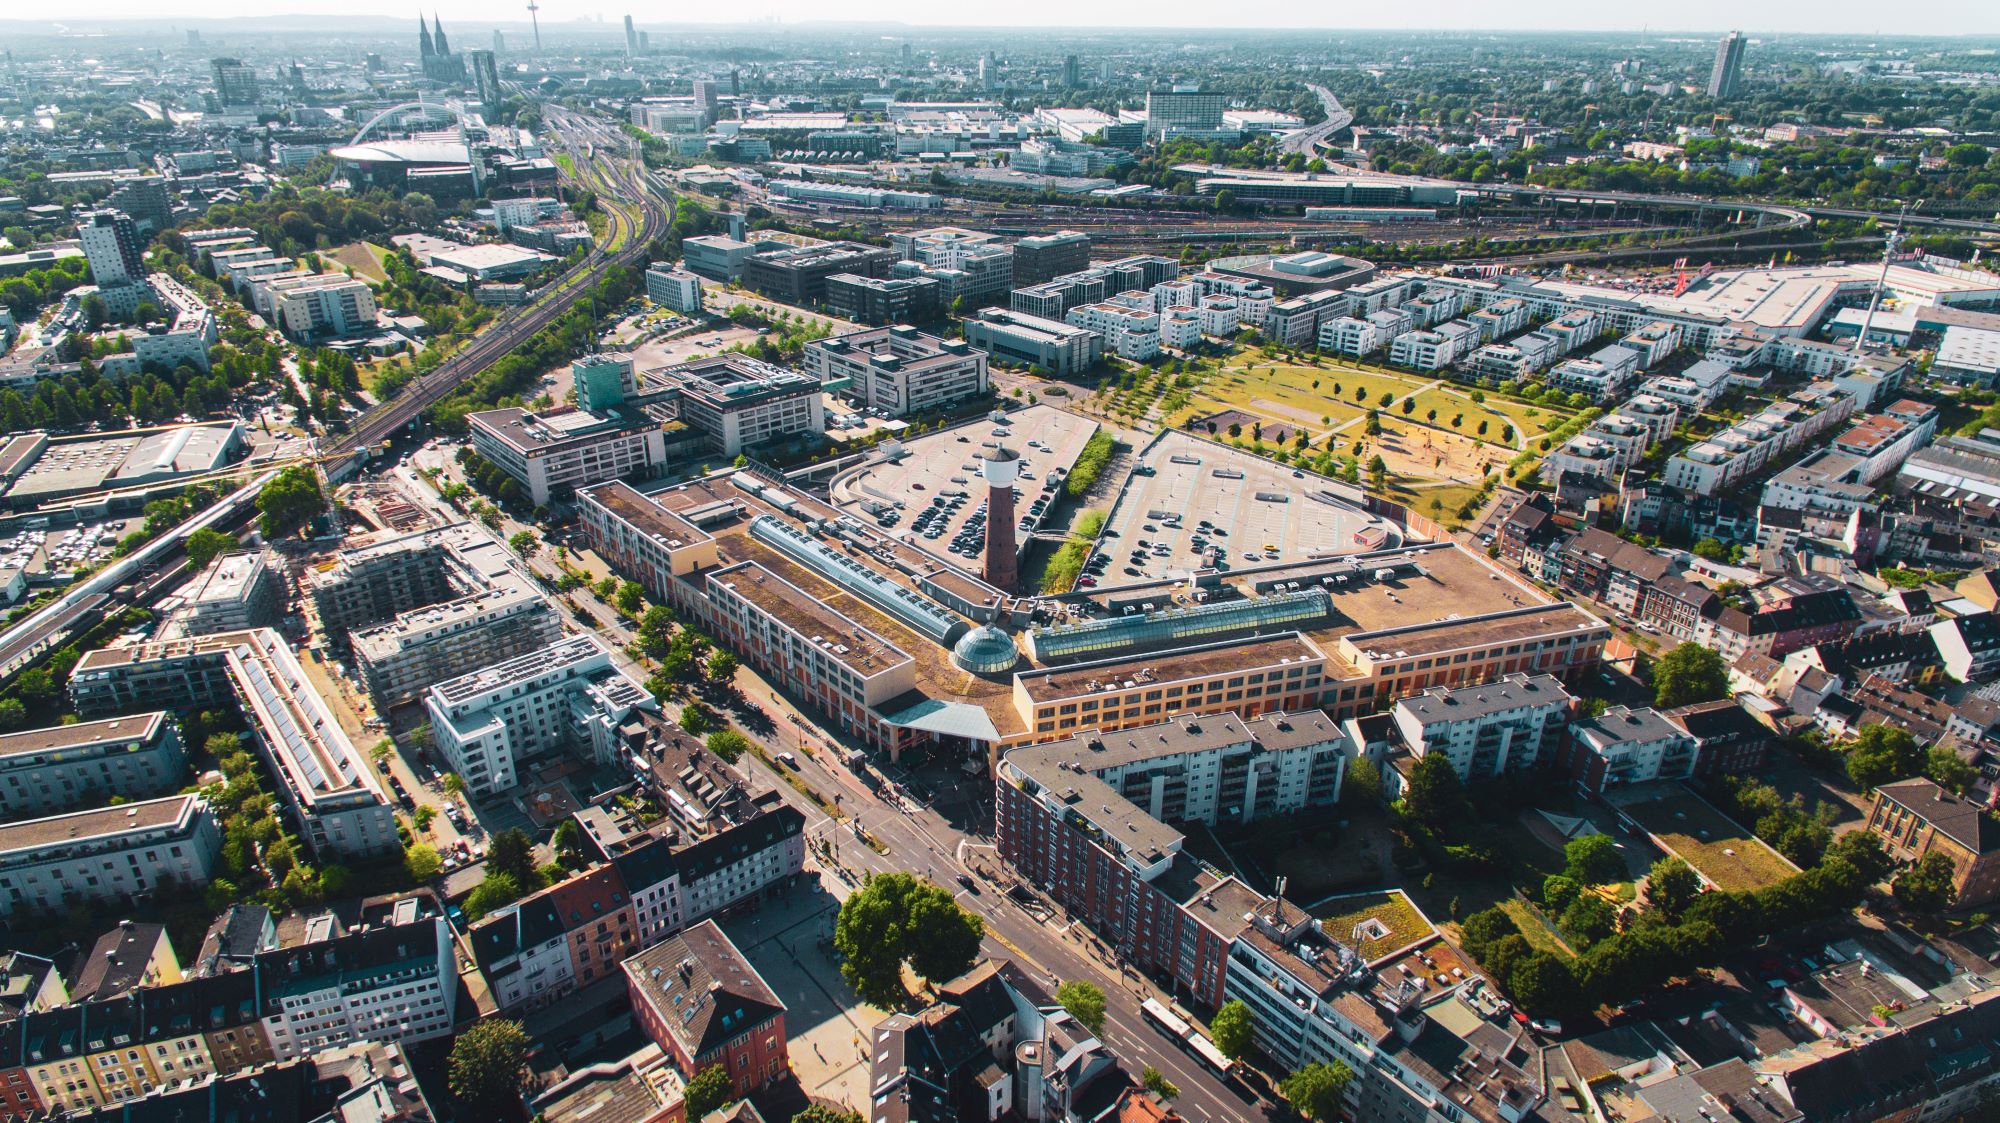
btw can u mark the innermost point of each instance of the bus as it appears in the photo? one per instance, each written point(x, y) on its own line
point(1165, 1020)
point(1196, 1042)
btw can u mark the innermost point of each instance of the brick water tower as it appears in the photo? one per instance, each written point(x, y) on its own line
point(1001, 466)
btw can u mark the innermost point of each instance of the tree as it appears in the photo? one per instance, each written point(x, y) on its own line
point(523, 543)
point(1157, 1083)
point(512, 853)
point(1544, 984)
point(488, 1068)
point(820, 1113)
point(1558, 892)
point(1233, 1029)
point(1881, 754)
point(721, 667)
point(1688, 674)
point(1928, 886)
point(631, 598)
point(1671, 887)
point(1434, 796)
point(1588, 919)
point(1593, 860)
point(1315, 1090)
point(13, 714)
point(1712, 550)
point(422, 862)
point(896, 917)
point(205, 545)
point(728, 744)
point(1949, 770)
point(497, 890)
point(1085, 1003)
point(1362, 786)
point(288, 502)
point(708, 1090)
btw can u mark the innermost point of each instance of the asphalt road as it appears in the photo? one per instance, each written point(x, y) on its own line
point(921, 842)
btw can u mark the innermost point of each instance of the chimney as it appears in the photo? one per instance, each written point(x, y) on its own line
point(1000, 466)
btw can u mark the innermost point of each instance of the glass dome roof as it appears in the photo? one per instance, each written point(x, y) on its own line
point(986, 650)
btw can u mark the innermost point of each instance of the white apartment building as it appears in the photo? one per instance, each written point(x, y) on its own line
point(394, 983)
point(111, 854)
point(1574, 329)
point(1433, 350)
point(1603, 376)
point(1128, 332)
point(1653, 343)
point(1499, 319)
point(898, 369)
point(1627, 746)
point(331, 306)
point(487, 722)
point(1657, 414)
point(1428, 309)
point(1487, 730)
point(235, 592)
point(1183, 292)
point(739, 862)
point(1348, 335)
point(1180, 329)
point(673, 288)
point(1253, 298)
point(1739, 452)
point(1221, 315)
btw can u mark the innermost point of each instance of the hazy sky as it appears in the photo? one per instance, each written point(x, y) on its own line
point(1793, 16)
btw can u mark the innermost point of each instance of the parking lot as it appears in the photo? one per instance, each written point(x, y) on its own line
point(1191, 503)
point(934, 496)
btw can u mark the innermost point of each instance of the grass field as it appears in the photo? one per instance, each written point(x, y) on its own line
point(365, 258)
point(1405, 924)
point(1534, 929)
point(1706, 839)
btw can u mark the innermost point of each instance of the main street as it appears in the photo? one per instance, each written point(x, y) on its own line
point(916, 839)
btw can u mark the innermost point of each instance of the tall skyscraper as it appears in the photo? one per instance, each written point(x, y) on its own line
point(235, 83)
point(111, 246)
point(486, 78)
point(631, 39)
point(1184, 109)
point(704, 98)
point(1072, 73)
point(1728, 72)
point(499, 42)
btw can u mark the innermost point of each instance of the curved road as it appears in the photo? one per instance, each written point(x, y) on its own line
point(622, 183)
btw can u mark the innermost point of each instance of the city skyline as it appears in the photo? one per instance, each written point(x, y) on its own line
point(1960, 18)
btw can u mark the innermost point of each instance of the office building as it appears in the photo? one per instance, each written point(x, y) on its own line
point(1032, 341)
point(1487, 730)
point(322, 777)
point(797, 275)
point(673, 288)
point(699, 999)
point(488, 723)
point(116, 853)
point(1183, 109)
point(1128, 332)
point(235, 83)
point(112, 246)
point(898, 370)
point(885, 300)
point(552, 453)
point(1727, 74)
point(132, 757)
point(328, 305)
point(737, 402)
point(1047, 256)
point(147, 198)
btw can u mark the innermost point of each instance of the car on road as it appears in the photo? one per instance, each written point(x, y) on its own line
point(966, 883)
point(788, 760)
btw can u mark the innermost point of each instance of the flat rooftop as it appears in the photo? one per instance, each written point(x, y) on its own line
point(110, 731)
point(825, 614)
point(653, 520)
point(104, 822)
point(1211, 659)
point(532, 432)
